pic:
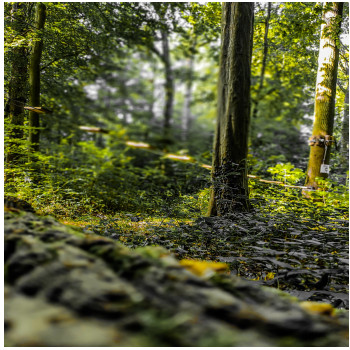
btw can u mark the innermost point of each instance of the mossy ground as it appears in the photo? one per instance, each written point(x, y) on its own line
point(67, 288)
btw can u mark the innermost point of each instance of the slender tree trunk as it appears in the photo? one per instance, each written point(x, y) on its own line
point(264, 60)
point(229, 172)
point(34, 76)
point(321, 139)
point(18, 86)
point(169, 84)
point(186, 113)
point(345, 128)
point(154, 89)
point(266, 45)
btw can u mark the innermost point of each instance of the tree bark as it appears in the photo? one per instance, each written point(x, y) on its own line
point(34, 76)
point(169, 84)
point(18, 85)
point(345, 127)
point(186, 113)
point(264, 60)
point(229, 172)
point(321, 139)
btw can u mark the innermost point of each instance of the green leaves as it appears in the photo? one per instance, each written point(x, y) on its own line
point(286, 173)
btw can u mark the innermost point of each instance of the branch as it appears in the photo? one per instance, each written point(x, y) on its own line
point(103, 15)
point(156, 51)
point(61, 58)
point(341, 87)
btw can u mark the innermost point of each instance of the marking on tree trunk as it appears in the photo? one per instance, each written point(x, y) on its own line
point(39, 110)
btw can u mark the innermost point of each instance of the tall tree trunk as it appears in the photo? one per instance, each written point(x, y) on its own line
point(229, 172)
point(264, 60)
point(169, 84)
point(34, 76)
point(18, 85)
point(345, 127)
point(186, 113)
point(321, 139)
point(153, 120)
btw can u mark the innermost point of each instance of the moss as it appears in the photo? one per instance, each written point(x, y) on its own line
point(141, 297)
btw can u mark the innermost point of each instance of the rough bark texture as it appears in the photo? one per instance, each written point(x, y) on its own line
point(325, 92)
point(34, 76)
point(264, 60)
point(65, 288)
point(345, 128)
point(18, 85)
point(169, 84)
point(230, 183)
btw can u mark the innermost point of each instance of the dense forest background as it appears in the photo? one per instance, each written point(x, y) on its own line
point(128, 103)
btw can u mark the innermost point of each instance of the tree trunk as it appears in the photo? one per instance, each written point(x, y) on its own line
point(18, 85)
point(321, 139)
point(229, 172)
point(263, 66)
point(345, 128)
point(153, 120)
point(186, 113)
point(169, 84)
point(34, 76)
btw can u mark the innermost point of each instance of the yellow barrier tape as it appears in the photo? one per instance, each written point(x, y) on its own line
point(185, 158)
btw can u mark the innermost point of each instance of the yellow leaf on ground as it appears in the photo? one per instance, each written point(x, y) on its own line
point(317, 308)
point(270, 276)
point(203, 268)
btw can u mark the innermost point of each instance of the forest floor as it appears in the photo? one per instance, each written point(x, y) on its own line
point(303, 254)
point(67, 288)
point(106, 264)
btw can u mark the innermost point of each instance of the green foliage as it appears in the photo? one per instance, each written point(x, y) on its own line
point(332, 194)
point(286, 173)
point(87, 179)
point(287, 91)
